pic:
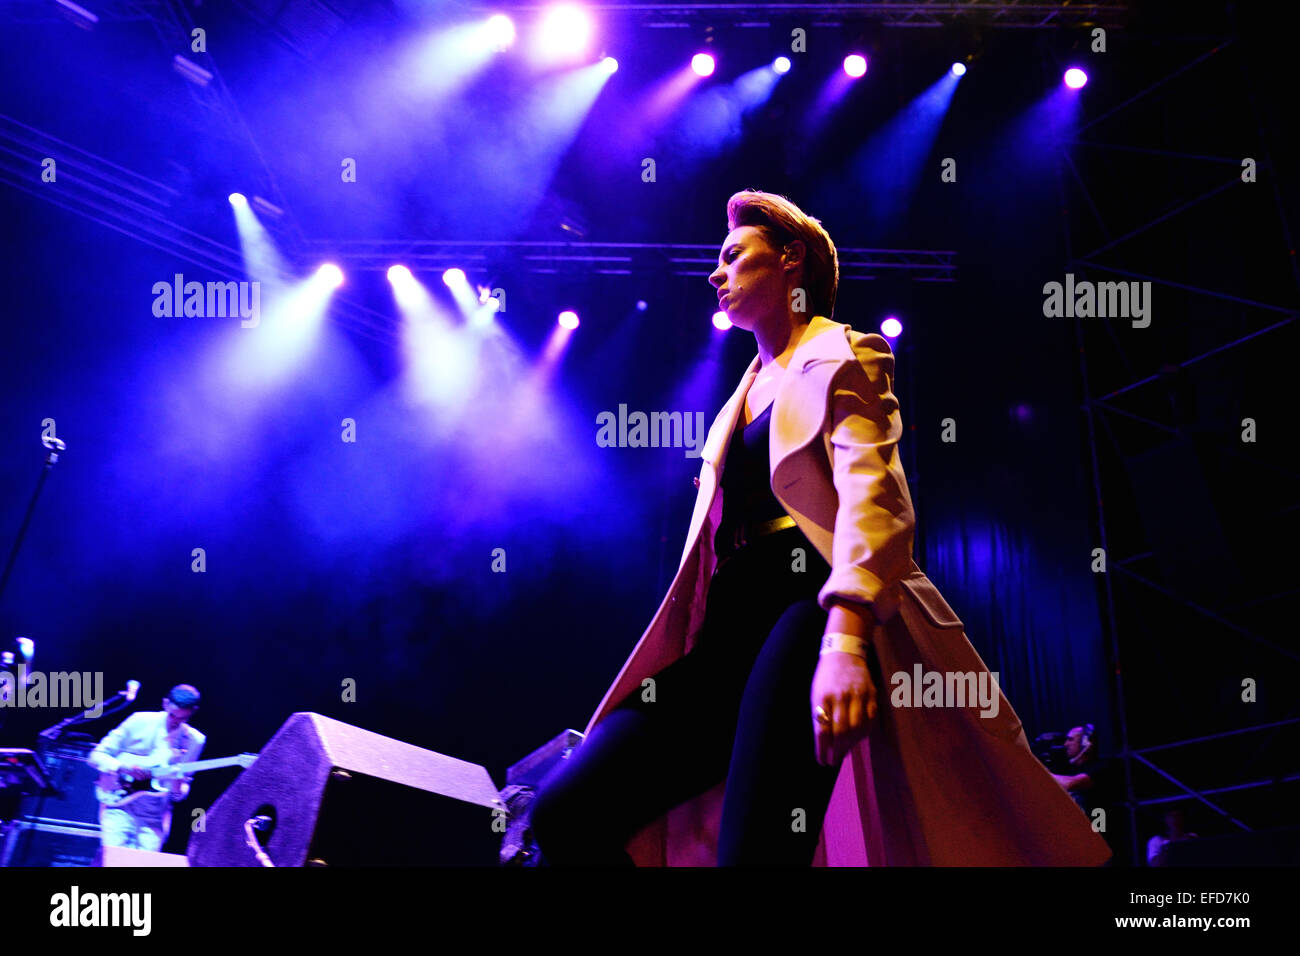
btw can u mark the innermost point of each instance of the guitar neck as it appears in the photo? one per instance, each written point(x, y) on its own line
point(194, 765)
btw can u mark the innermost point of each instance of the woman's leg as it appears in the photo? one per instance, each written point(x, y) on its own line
point(777, 793)
point(644, 758)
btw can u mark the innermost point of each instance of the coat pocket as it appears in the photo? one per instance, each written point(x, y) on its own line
point(936, 609)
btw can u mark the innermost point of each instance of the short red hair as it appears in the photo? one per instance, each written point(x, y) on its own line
point(781, 222)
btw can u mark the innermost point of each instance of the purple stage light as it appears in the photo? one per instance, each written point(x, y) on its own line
point(453, 277)
point(855, 65)
point(610, 64)
point(1075, 78)
point(330, 274)
point(398, 274)
point(702, 64)
point(781, 64)
point(959, 69)
point(237, 199)
point(642, 305)
point(891, 328)
point(568, 319)
point(720, 321)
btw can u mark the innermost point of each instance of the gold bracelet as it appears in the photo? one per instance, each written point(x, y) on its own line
point(844, 643)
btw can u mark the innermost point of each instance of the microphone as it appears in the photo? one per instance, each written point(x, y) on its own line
point(132, 688)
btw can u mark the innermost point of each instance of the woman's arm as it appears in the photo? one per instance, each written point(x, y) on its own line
point(871, 548)
point(847, 617)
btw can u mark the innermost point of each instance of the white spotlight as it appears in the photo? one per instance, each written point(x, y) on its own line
point(565, 30)
point(330, 274)
point(500, 32)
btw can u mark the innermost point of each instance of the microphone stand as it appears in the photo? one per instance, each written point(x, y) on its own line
point(55, 731)
point(54, 446)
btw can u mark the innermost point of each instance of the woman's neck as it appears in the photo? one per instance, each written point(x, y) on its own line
point(780, 341)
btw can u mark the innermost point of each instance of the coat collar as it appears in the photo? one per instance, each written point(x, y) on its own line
point(814, 347)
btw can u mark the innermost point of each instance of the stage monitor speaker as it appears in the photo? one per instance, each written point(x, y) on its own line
point(74, 804)
point(336, 795)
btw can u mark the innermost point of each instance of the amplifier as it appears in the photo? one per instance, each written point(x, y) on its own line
point(43, 844)
point(73, 803)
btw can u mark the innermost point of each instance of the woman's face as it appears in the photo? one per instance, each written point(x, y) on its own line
point(752, 275)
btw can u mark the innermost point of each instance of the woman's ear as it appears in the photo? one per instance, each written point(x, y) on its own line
point(794, 252)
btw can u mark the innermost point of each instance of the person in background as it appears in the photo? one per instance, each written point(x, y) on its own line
point(1175, 829)
point(145, 740)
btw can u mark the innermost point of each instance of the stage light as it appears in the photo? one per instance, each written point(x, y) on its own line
point(702, 64)
point(500, 32)
point(891, 328)
point(237, 199)
point(642, 305)
point(266, 209)
point(1075, 78)
point(959, 69)
point(720, 321)
point(565, 30)
point(330, 274)
point(77, 14)
point(191, 70)
point(398, 274)
point(568, 319)
point(610, 64)
point(453, 277)
point(855, 65)
point(781, 64)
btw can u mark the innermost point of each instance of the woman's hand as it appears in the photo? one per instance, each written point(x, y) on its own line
point(843, 688)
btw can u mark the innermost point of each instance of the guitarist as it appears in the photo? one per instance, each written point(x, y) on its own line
point(148, 738)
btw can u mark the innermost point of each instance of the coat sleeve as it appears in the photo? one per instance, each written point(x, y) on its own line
point(872, 542)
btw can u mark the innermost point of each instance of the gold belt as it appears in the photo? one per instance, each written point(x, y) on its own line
point(746, 534)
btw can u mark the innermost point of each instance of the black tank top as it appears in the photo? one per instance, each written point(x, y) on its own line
point(746, 480)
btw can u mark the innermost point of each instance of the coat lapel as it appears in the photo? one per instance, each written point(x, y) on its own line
point(797, 413)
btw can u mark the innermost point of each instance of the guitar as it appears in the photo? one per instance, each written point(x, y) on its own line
point(119, 788)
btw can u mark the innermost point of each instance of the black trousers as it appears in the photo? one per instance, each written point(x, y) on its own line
point(737, 707)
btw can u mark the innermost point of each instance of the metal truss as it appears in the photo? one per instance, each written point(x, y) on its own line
point(609, 258)
point(137, 206)
point(143, 208)
point(991, 13)
point(107, 11)
point(175, 25)
point(1098, 409)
